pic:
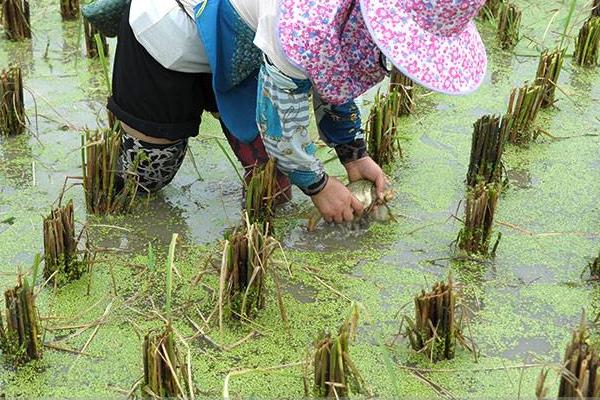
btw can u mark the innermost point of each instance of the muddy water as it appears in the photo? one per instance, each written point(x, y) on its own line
point(521, 305)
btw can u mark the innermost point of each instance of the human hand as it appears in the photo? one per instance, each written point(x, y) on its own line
point(336, 203)
point(366, 168)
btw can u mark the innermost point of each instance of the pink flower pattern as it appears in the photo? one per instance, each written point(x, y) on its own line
point(338, 43)
point(328, 40)
point(434, 42)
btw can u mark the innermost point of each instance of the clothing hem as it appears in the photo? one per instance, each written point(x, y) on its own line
point(171, 131)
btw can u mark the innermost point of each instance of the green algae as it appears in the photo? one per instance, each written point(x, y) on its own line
point(526, 300)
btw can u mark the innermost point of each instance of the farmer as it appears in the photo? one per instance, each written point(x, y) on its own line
point(161, 86)
point(267, 58)
point(332, 51)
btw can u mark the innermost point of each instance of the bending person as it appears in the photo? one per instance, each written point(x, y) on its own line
point(332, 51)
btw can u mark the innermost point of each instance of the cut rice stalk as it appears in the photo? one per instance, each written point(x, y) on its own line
point(105, 191)
point(480, 210)
point(12, 106)
point(523, 108)
point(91, 43)
point(245, 265)
point(434, 331)
point(335, 375)
point(20, 333)
point(16, 19)
point(62, 262)
point(489, 136)
point(548, 74)
point(579, 378)
point(69, 9)
point(509, 25)
point(404, 86)
point(490, 9)
point(587, 45)
point(382, 129)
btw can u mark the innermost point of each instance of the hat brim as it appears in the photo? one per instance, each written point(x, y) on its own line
point(453, 65)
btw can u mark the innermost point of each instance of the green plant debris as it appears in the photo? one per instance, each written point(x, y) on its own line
point(69, 9)
point(594, 268)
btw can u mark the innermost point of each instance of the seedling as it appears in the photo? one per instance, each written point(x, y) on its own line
point(261, 191)
point(167, 374)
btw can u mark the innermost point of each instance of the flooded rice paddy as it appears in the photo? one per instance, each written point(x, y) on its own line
point(522, 304)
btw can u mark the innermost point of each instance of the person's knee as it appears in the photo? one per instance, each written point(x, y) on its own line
point(152, 165)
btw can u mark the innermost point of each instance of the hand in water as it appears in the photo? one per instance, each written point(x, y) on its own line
point(336, 203)
point(366, 168)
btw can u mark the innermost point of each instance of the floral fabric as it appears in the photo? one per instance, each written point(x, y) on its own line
point(434, 42)
point(329, 41)
point(338, 43)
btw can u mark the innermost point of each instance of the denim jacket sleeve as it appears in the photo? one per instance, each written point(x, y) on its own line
point(340, 127)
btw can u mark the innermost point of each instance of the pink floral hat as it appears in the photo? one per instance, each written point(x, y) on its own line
point(434, 42)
